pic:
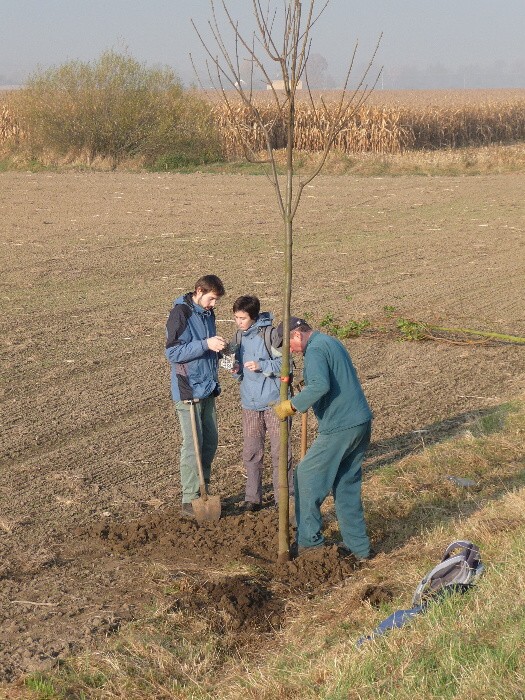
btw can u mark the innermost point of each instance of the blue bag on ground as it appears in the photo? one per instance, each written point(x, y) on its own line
point(459, 569)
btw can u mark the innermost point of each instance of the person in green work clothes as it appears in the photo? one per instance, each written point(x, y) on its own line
point(334, 460)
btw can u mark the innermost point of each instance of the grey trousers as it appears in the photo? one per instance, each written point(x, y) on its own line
point(255, 425)
point(206, 419)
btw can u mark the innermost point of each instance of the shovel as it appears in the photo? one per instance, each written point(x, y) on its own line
point(304, 433)
point(206, 507)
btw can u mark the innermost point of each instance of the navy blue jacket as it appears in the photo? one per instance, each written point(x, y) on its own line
point(193, 365)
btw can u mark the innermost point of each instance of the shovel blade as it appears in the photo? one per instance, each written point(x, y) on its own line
point(207, 509)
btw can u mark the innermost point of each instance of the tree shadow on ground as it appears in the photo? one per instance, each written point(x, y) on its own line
point(381, 453)
point(454, 504)
point(384, 452)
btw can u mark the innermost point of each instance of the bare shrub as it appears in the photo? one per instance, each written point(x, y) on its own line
point(113, 108)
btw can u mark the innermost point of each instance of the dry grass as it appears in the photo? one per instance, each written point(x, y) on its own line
point(476, 636)
point(10, 128)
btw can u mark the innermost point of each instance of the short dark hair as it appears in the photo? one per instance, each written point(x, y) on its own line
point(210, 283)
point(248, 304)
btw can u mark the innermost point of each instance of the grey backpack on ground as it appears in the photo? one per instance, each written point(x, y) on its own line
point(459, 569)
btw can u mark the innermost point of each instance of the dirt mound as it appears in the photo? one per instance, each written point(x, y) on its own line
point(234, 603)
point(62, 598)
point(237, 539)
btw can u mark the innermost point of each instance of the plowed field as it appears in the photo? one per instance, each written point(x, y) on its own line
point(90, 264)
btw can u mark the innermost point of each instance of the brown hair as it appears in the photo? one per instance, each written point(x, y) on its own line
point(210, 283)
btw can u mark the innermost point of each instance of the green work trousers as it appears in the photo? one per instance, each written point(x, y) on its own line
point(206, 419)
point(333, 463)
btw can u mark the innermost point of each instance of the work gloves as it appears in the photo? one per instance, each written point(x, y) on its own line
point(284, 409)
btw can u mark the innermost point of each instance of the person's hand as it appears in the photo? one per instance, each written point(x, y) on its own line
point(216, 343)
point(252, 365)
point(236, 368)
point(284, 409)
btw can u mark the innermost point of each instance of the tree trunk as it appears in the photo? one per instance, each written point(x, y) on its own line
point(284, 511)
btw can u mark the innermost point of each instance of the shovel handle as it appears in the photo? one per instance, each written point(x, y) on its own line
point(197, 448)
point(304, 433)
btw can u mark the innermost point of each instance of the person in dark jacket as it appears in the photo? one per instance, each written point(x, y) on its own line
point(258, 368)
point(192, 349)
point(334, 460)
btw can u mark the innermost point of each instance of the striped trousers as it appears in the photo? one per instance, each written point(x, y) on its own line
point(255, 426)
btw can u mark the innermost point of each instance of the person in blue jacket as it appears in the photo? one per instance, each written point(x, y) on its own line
point(334, 460)
point(192, 349)
point(258, 368)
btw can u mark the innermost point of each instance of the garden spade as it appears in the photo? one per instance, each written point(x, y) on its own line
point(304, 433)
point(206, 507)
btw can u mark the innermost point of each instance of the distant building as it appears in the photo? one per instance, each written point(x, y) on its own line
point(279, 85)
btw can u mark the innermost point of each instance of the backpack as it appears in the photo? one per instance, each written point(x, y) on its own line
point(269, 336)
point(459, 569)
point(272, 343)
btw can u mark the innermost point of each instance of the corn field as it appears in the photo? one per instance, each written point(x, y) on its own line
point(9, 127)
point(379, 128)
point(387, 124)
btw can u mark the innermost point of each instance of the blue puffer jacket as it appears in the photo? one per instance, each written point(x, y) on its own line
point(259, 388)
point(193, 365)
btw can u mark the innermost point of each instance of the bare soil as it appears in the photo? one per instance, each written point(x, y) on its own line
point(89, 490)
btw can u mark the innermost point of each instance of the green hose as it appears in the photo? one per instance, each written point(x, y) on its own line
point(482, 334)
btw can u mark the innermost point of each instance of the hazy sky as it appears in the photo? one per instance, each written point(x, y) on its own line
point(438, 43)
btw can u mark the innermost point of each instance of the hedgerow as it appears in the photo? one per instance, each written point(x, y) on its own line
point(115, 108)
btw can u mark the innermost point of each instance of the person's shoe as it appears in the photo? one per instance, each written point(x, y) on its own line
point(187, 510)
point(252, 507)
point(344, 551)
point(371, 554)
point(297, 552)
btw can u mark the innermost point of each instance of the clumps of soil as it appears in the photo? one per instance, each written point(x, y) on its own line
point(234, 603)
point(237, 541)
point(377, 595)
point(83, 588)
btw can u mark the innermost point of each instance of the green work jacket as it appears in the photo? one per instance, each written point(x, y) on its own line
point(332, 387)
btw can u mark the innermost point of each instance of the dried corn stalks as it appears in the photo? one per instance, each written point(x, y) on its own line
point(377, 128)
point(9, 126)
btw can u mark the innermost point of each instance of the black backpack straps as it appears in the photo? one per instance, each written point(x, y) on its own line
point(266, 333)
